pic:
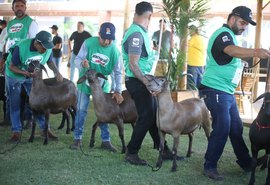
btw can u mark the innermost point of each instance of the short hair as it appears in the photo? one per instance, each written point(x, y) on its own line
point(80, 22)
point(14, 1)
point(143, 7)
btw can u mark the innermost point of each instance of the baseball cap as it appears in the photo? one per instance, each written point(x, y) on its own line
point(45, 39)
point(107, 31)
point(245, 13)
point(54, 27)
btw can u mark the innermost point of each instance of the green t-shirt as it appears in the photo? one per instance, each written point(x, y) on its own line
point(101, 59)
point(222, 77)
point(26, 56)
point(146, 63)
point(17, 29)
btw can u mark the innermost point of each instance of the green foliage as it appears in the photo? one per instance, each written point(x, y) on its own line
point(181, 14)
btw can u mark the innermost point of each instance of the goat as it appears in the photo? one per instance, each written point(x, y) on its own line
point(46, 99)
point(259, 135)
point(106, 109)
point(176, 118)
point(65, 115)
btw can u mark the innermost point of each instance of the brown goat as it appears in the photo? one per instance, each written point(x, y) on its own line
point(179, 118)
point(106, 109)
point(50, 99)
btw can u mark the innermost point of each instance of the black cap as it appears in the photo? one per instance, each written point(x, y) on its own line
point(54, 27)
point(45, 39)
point(245, 13)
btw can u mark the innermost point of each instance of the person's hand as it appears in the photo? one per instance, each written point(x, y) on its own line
point(85, 63)
point(59, 77)
point(261, 53)
point(118, 97)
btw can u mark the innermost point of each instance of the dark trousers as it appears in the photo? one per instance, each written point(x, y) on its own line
point(226, 124)
point(146, 109)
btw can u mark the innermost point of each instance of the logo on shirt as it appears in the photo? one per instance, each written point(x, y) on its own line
point(34, 58)
point(225, 38)
point(16, 28)
point(98, 58)
point(135, 42)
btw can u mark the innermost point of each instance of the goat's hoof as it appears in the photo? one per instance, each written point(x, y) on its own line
point(173, 169)
point(68, 132)
point(30, 140)
point(45, 142)
point(92, 144)
point(158, 164)
point(73, 128)
point(59, 128)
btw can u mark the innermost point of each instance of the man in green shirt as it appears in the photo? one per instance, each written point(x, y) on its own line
point(17, 76)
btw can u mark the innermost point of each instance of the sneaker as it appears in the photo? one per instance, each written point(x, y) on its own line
point(16, 136)
point(50, 135)
point(106, 145)
point(76, 145)
point(167, 155)
point(212, 174)
point(134, 159)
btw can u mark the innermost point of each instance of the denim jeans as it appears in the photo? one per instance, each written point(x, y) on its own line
point(82, 107)
point(196, 78)
point(57, 61)
point(146, 108)
point(14, 94)
point(72, 66)
point(226, 123)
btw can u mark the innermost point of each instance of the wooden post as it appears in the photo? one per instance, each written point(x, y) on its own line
point(126, 16)
point(257, 43)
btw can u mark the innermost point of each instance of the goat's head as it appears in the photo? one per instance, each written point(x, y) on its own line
point(157, 84)
point(266, 102)
point(91, 75)
point(35, 67)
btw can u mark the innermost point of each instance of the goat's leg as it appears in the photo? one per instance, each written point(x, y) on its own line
point(254, 152)
point(264, 164)
point(161, 149)
point(92, 138)
point(72, 112)
point(174, 152)
point(67, 116)
point(31, 139)
point(268, 174)
point(62, 121)
point(46, 128)
point(190, 140)
point(120, 127)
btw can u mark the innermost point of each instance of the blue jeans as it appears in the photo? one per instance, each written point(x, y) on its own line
point(14, 93)
point(82, 107)
point(226, 123)
point(196, 78)
point(57, 61)
point(72, 66)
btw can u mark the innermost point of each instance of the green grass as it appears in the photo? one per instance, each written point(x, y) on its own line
point(56, 164)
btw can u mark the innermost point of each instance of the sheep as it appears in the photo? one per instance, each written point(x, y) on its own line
point(106, 109)
point(176, 118)
point(259, 135)
point(47, 98)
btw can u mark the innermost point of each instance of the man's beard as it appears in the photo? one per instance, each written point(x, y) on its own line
point(236, 30)
point(19, 14)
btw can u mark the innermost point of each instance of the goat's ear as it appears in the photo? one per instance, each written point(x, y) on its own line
point(101, 76)
point(81, 80)
point(260, 97)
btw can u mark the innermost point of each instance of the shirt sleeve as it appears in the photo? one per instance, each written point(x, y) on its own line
point(117, 75)
point(33, 30)
point(223, 40)
point(135, 43)
point(16, 56)
point(81, 56)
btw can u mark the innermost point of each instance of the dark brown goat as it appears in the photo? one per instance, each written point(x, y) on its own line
point(106, 109)
point(177, 118)
point(50, 99)
point(259, 135)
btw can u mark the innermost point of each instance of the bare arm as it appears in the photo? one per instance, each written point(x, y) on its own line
point(134, 67)
point(52, 66)
point(17, 70)
point(246, 53)
point(57, 46)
